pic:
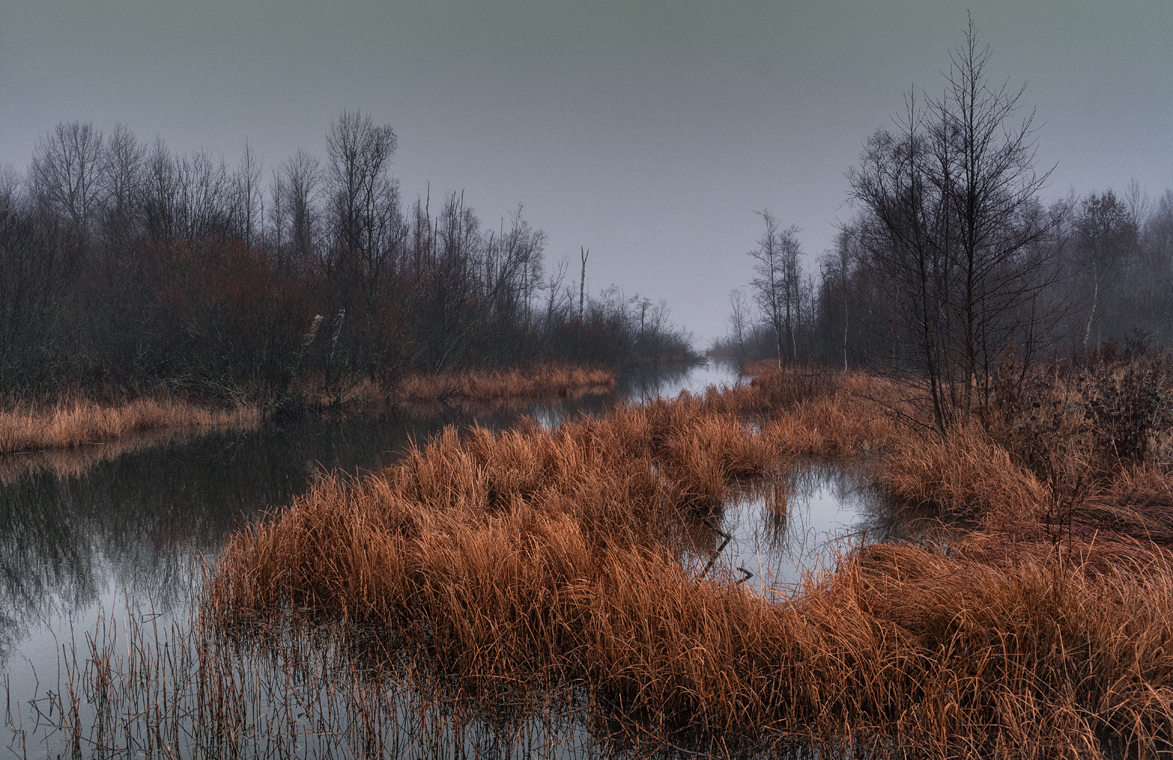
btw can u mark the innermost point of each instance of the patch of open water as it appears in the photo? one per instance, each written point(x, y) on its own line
point(792, 527)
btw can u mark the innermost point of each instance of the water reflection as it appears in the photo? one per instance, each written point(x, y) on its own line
point(138, 523)
point(645, 385)
point(125, 529)
point(795, 525)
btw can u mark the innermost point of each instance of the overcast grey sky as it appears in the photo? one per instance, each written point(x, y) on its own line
point(648, 132)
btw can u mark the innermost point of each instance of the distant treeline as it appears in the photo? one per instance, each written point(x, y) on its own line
point(953, 271)
point(123, 264)
point(1106, 277)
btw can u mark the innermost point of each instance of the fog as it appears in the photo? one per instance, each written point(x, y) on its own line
point(649, 133)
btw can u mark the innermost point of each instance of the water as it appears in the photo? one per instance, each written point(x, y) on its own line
point(791, 528)
point(122, 533)
point(132, 530)
point(658, 384)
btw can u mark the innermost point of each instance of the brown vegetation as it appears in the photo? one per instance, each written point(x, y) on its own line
point(37, 430)
point(476, 390)
point(539, 557)
point(69, 424)
point(480, 387)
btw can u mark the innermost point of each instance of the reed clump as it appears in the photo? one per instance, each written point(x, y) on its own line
point(963, 474)
point(541, 382)
point(70, 424)
point(510, 561)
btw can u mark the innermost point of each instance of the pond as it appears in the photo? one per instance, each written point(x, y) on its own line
point(121, 537)
point(792, 527)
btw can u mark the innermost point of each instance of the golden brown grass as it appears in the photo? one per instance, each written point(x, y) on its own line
point(77, 461)
point(963, 474)
point(542, 382)
point(534, 556)
point(71, 424)
point(478, 390)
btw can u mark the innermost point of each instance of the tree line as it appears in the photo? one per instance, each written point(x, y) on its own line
point(953, 271)
point(124, 264)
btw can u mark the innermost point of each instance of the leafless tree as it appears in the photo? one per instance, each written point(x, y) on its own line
point(204, 198)
point(40, 259)
point(954, 220)
point(294, 211)
point(583, 254)
point(778, 280)
point(66, 173)
point(360, 188)
point(1107, 238)
point(247, 194)
point(837, 271)
point(739, 324)
point(513, 267)
point(122, 184)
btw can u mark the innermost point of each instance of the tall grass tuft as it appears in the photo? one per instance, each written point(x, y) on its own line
point(488, 579)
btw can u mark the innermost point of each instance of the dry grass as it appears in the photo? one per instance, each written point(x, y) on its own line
point(27, 428)
point(543, 382)
point(477, 390)
point(138, 687)
point(963, 475)
point(534, 557)
point(77, 461)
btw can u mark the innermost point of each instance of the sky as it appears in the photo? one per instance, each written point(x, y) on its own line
point(646, 131)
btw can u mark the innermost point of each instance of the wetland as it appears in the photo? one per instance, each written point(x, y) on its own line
point(773, 568)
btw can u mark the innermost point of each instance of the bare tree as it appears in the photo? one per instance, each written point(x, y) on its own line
point(294, 210)
point(1107, 237)
point(204, 208)
point(837, 271)
point(559, 300)
point(40, 259)
point(122, 180)
point(513, 267)
point(738, 323)
point(954, 221)
point(779, 280)
point(246, 186)
point(584, 254)
point(66, 173)
point(359, 158)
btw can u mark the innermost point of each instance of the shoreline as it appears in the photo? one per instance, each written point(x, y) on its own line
point(32, 428)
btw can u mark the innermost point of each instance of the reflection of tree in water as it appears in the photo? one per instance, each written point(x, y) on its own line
point(801, 519)
point(640, 385)
point(141, 521)
point(645, 383)
point(46, 553)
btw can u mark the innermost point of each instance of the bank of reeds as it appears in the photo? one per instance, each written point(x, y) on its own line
point(512, 560)
point(533, 583)
point(75, 461)
point(70, 424)
point(473, 387)
point(542, 382)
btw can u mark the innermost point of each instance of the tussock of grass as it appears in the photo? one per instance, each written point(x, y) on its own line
point(77, 423)
point(964, 475)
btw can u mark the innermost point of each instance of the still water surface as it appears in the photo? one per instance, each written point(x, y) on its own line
point(131, 531)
